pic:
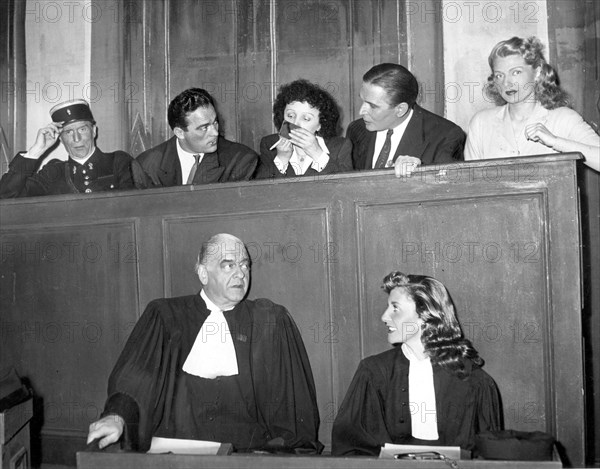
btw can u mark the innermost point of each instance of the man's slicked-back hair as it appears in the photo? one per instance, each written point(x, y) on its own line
point(216, 244)
point(185, 102)
point(205, 249)
point(400, 85)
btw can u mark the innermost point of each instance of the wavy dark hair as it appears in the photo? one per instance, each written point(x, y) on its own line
point(317, 97)
point(547, 86)
point(441, 334)
point(185, 102)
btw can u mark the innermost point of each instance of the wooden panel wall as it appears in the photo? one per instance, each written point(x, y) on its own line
point(76, 275)
point(110, 93)
point(68, 299)
point(432, 236)
point(12, 79)
point(242, 51)
point(574, 38)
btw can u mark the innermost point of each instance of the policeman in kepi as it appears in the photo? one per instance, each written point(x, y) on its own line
point(87, 169)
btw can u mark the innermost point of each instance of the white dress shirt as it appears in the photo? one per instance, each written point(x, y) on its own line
point(396, 137)
point(186, 160)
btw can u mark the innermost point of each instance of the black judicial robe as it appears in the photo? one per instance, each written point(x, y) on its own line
point(377, 409)
point(271, 404)
point(101, 172)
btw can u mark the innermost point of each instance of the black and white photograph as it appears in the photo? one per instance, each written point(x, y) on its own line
point(352, 234)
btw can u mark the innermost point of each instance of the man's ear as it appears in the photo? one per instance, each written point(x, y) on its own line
point(178, 131)
point(202, 274)
point(401, 109)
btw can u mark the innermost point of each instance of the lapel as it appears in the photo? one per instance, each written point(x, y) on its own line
point(372, 136)
point(447, 388)
point(272, 154)
point(441, 383)
point(289, 172)
point(366, 147)
point(170, 169)
point(239, 320)
point(209, 170)
point(269, 142)
point(196, 312)
point(363, 144)
point(412, 142)
point(103, 163)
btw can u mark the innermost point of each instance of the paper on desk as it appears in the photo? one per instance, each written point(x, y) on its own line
point(180, 446)
point(453, 452)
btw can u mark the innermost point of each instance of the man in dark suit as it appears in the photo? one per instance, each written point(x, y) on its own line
point(394, 130)
point(87, 169)
point(196, 154)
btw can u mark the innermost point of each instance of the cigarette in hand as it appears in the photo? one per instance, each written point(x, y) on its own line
point(276, 143)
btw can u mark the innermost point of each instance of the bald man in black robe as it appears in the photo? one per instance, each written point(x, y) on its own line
point(266, 402)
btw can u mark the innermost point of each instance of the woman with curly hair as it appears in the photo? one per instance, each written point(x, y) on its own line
point(431, 390)
point(312, 147)
point(534, 117)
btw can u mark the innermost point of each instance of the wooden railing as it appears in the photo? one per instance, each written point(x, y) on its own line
point(502, 235)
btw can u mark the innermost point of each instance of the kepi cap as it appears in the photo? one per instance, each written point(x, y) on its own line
point(70, 111)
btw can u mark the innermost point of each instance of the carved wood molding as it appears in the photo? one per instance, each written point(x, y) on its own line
point(5, 152)
point(140, 138)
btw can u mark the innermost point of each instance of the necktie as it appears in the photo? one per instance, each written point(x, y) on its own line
point(190, 178)
point(385, 151)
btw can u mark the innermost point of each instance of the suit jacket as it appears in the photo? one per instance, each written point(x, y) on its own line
point(159, 166)
point(340, 158)
point(101, 172)
point(429, 137)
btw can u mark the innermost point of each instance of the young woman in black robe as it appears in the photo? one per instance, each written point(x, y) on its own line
point(431, 390)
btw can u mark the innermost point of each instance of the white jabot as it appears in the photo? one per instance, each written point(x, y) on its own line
point(213, 352)
point(421, 395)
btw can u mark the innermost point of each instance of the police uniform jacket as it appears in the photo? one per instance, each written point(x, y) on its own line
point(101, 172)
